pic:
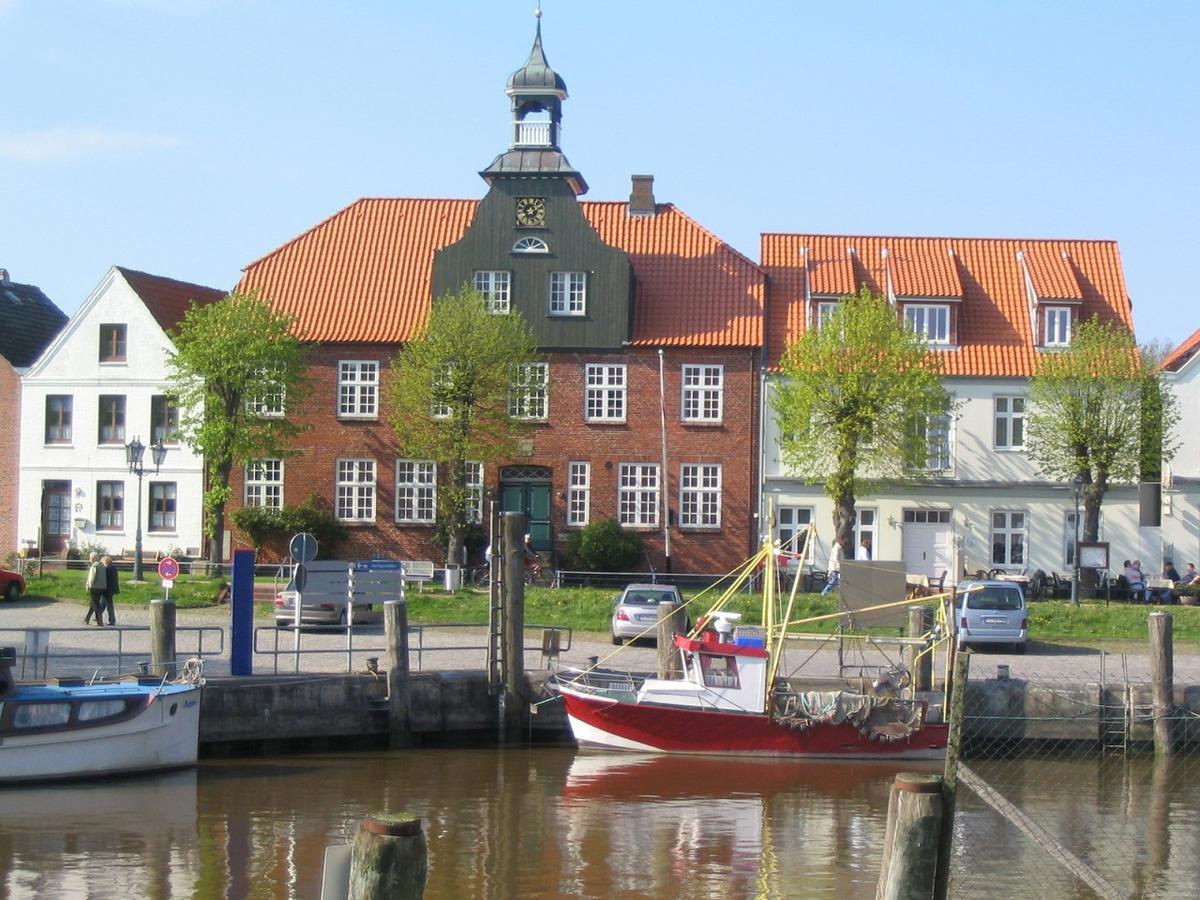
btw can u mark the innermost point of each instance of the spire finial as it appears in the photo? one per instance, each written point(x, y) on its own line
point(537, 13)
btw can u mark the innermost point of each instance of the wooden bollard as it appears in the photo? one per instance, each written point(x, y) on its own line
point(388, 859)
point(395, 630)
point(162, 638)
point(910, 847)
point(1162, 677)
point(671, 621)
point(921, 669)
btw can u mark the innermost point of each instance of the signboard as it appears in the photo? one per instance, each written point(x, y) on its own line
point(303, 547)
point(168, 568)
point(378, 565)
point(1093, 554)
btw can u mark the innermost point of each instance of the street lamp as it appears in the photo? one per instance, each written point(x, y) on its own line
point(1077, 489)
point(135, 450)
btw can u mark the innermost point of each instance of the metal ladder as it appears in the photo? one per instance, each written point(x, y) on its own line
point(1115, 730)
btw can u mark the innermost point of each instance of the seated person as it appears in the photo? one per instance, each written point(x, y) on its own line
point(1190, 574)
point(1137, 582)
point(1169, 571)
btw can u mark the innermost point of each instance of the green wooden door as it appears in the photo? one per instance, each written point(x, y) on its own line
point(534, 501)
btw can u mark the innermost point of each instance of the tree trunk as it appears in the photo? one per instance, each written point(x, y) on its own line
point(843, 523)
point(220, 478)
point(1093, 495)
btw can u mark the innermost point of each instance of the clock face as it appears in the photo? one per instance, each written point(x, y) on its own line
point(531, 211)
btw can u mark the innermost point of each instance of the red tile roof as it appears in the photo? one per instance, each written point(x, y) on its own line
point(995, 334)
point(166, 298)
point(1181, 354)
point(364, 274)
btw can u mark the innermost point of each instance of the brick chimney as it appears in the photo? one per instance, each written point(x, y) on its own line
point(641, 197)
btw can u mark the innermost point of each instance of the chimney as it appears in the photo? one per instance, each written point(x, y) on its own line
point(641, 198)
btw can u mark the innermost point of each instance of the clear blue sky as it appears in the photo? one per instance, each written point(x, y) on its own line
point(189, 137)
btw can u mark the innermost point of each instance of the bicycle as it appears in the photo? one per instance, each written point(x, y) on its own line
point(481, 576)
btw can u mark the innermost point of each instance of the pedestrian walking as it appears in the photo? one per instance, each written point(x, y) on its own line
point(112, 585)
point(96, 584)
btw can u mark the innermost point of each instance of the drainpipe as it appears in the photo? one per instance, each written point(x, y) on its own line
point(662, 418)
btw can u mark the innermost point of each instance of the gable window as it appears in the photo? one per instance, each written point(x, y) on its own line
point(568, 293)
point(416, 491)
point(1058, 326)
point(58, 418)
point(825, 312)
point(604, 393)
point(1010, 423)
point(703, 387)
point(934, 434)
point(110, 505)
point(356, 490)
point(493, 285)
point(112, 419)
point(637, 495)
point(264, 483)
point(932, 322)
point(527, 393)
point(579, 488)
point(268, 404)
point(531, 245)
point(162, 505)
point(1008, 538)
point(112, 343)
point(700, 496)
point(358, 388)
point(791, 527)
point(164, 419)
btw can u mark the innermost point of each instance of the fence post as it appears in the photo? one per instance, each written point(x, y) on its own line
point(395, 631)
point(670, 622)
point(516, 710)
point(913, 837)
point(919, 667)
point(388, 859)
point(1162, 676)
point(162, 637)
point(958, 703)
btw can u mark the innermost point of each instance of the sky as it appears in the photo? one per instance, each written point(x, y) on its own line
point(188, 138)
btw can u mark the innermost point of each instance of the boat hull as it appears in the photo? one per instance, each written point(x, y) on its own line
point(603, 722)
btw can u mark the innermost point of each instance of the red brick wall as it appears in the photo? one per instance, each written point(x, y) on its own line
point(565, 437)
point(10, 453)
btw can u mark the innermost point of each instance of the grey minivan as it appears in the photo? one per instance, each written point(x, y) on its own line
point(991, 612)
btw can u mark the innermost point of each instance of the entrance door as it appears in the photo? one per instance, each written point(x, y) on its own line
point(526, 489)
point(927, 541)
point(56, 516)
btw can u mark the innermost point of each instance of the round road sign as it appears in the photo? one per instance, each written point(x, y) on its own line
point(168, 568)
point(303, 547)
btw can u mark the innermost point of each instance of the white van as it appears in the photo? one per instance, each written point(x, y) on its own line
point(991, 612)
point(328, 586)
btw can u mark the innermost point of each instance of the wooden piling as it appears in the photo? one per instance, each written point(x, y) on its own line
point(516, 708)
point(919, 667)
point(395, 631)
point(1162, 677)
point(671, 621)
point(388, 860)
point(955, 715)
point(162, 638)
point(913, 836)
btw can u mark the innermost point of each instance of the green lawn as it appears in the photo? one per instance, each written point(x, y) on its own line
point(189, 592)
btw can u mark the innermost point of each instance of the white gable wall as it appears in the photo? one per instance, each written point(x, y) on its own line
point(1181, 493)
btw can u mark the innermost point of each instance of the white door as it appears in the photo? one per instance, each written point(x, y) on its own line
point(927, 542)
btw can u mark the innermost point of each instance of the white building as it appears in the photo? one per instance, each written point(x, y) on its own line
point(1181, 477)
point(99, 385)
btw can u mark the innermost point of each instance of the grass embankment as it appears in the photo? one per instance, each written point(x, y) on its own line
point(189, 591)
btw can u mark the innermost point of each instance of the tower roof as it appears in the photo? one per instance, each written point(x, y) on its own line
point(536, 76)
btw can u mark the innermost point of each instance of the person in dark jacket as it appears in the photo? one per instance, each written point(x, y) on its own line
point(111, 586)
point(96, 584)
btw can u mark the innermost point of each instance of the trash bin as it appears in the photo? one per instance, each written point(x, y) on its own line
point(453, 578)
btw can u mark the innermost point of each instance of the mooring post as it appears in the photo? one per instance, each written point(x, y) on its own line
point(913, 835)
point(516, 709)
point(395, 631)
point(388, 860)
point(1162, 677)
point(162, 637)
point(957, 713)
point(671, 621)
point(919, 667)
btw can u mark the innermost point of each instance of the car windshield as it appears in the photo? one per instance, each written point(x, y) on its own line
point(994, 598)
point(649, 598)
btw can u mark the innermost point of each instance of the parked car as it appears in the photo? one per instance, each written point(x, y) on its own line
point(991, 612)
point(635, 610)
point(325, 590)
point(12, 584)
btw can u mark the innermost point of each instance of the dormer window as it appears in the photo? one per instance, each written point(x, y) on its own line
point(825, 312)
point(1058, 326)
point(531, 245)
point(932, 322)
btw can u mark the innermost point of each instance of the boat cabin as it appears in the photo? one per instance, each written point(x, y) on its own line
point(725, 670)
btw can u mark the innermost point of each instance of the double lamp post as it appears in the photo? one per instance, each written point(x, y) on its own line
point(135, 451)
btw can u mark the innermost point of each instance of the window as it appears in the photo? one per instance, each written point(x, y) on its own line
point(719, 671)
point(494, 288)
point(269, 403)
point(112, 343)
point(605, 393)
point(164, 419)
point(934, 434)
point(637, 496)
point(112, 420)
point(926, 517)
point(931, 322)
point(527, 394)
point(864, 524)
point(440, 392)
point(568, 293)
point(825, 312)
point(530, 245)
point(700, 496)
point(355, 490)
point(1010, 423)
point(1058, 326)
point(1008, 538)
point(791, 525)
point(264, 483)
point(41, 715)
point(58, 418)
point(162, 506)
point(358, 386)
point(703, 387)
point(110, 505)
point(1070, 536)
point(579, 487)
point(475, 490)
point(416, 491)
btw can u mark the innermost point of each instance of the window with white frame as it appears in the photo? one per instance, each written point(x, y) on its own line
point(932, 322)
point(531, 245)
point(416, 491)
point(1008, 538)
point(163, 498)
point(439, 393)
point(934, 434)
point(579, 491)
point(604, 393)
point(474, 492)
point(264, 483)
point(825, 311)
point(791, 527)
point(1058, 326)
point(358, 389)
point(356, 490)
point(528, 391)
point(269, 403)
point(110, 505)
point(637, 495)
point(699, 496)
point(493, 285)
point(703, 390)
point(865, 523)
point(568, 293)
point(1010, 423)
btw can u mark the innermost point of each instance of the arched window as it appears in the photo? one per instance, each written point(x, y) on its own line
point(530, 245)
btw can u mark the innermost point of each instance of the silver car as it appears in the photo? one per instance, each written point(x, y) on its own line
point(991, 612)
point(635, 610)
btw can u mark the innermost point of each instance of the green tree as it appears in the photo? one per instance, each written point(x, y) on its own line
point(234, 365)
point(464, 390)
point(855, 402)
point(1099, 412)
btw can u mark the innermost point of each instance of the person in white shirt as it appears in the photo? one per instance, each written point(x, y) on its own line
point(864, 550)
point(835, 567)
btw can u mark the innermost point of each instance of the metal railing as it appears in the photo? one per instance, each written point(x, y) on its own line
point(34, 647)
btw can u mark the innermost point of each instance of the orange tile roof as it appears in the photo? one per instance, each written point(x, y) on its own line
point(994, 328)
point(364, 274)
point(167, 299)
point(1181, 354)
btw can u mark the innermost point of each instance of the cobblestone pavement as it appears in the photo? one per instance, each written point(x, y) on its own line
point(86, 648)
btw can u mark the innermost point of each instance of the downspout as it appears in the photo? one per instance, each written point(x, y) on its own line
point(662, 418)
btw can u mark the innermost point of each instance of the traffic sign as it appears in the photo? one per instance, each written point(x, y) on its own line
point(168, 568)
point(303, 547)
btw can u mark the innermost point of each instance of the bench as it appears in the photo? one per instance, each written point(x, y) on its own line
point(149, 557)
point(419, 571)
